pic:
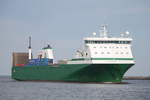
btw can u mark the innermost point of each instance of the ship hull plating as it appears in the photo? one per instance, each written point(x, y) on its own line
point(71, 72)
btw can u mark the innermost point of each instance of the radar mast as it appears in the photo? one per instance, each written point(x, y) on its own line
point(29, 48)
point(104, 31)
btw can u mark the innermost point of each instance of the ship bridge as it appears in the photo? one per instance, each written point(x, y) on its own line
point(105, 50)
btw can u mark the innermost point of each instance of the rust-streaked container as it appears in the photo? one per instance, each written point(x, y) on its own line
point(20, 58)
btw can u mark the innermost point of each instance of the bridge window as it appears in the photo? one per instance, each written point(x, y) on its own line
point(106, 42)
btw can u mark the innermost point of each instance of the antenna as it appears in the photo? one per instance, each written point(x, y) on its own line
point(127, 33)
point(29, 42)
point(104, 30)
point(94, 33)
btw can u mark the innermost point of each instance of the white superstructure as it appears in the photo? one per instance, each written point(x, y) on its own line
point(105, 50)
point(47, 52)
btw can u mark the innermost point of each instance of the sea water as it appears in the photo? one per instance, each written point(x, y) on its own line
point(23, 90)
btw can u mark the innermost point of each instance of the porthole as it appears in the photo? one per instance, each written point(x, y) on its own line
point(108, 52)
point(116, 53)
point(95, 52)
point(102, 52)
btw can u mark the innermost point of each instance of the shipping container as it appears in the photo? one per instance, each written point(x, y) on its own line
point(20, 58)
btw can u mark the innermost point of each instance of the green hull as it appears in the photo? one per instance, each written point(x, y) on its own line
point(72, 72)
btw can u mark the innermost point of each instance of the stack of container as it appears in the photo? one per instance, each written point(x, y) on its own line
point(39, 62)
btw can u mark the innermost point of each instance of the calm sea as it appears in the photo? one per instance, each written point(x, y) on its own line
point(19, 90)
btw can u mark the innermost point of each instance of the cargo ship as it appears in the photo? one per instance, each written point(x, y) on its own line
point(103, 59)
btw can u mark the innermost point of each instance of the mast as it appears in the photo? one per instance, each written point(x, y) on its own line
point(29, 49)
point(104, 31)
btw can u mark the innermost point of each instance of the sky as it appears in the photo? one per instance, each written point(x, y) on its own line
point(64, 23)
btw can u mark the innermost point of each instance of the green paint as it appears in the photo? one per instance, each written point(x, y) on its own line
point(72, 72)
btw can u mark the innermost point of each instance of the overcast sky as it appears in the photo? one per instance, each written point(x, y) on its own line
point(64, 23)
